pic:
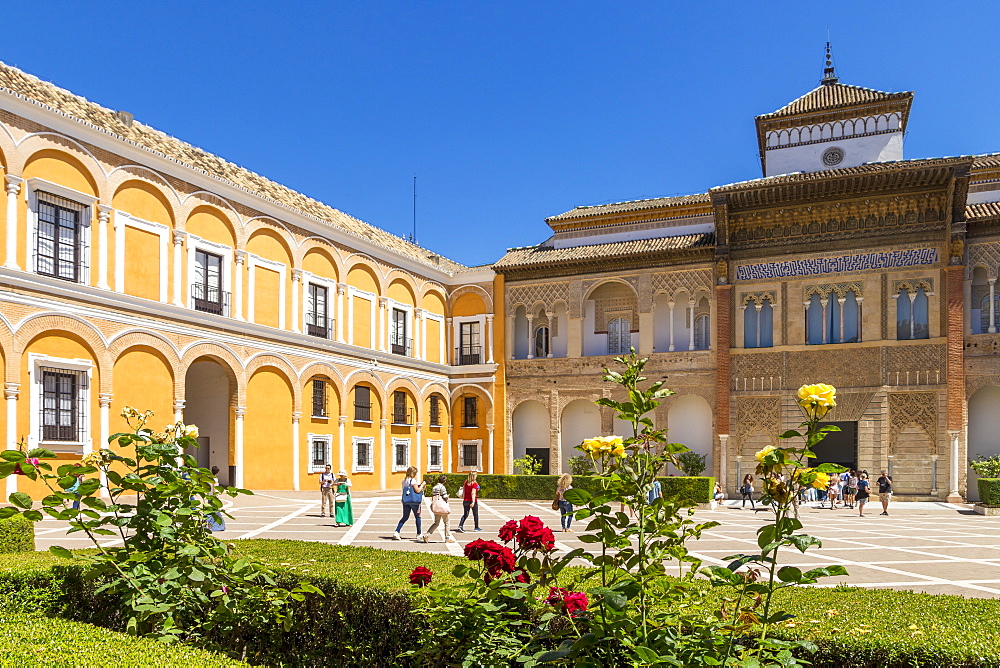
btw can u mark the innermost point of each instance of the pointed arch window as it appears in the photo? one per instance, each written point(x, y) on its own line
point(833, 319)
point(619, 336)
point(542, 341)
point(758, 324)
point(912, 318)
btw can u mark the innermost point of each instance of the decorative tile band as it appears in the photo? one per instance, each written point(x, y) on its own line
point(832, 265)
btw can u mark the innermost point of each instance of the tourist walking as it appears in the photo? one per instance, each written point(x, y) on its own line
point(863, 493)
point(470, 501)
point(746, 490)
point(718, 495)
point(441, 510)
point(885, 491)
point(326, 492)
point(565, 507)
point(851, 489)
point(342, 500)
point(413, 499)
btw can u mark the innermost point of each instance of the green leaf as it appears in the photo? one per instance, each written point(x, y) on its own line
point(12, 455)
point(789, 574)
point(578, 497)
point(33, 515)
point(41, 453)
point(61, 552)
point(831, 468)
point(21, 500)
point(791, 433)
point(615, 600)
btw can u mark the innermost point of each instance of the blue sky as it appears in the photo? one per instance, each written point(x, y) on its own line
point(506, 112)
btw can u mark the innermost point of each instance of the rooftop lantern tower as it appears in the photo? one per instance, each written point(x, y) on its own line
point(832, 126)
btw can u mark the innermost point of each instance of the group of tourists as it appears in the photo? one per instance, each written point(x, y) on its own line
point(335, 497)
point(413, 501)
point(849, 489)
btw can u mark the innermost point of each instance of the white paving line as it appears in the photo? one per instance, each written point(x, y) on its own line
point(359, 523)
point(277, 522)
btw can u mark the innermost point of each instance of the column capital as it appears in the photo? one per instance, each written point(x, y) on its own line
point(241, 256)
point(383, 422)
point(383, 302)
point(418, 313)
point(296, 416)
point(240, 411)
point(11, 390)
point(448, 320)
point(549, 314)
point(489, 428)
point(489, 317)
point(105, 399)
point(178, 405)
point(419, 426)
point(342, 419)
point(296, 274)
point(104, 212)
point(13, 184)
point(179, 237)
point(341, 288)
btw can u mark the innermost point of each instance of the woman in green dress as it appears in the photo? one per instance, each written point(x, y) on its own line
point(344, 515)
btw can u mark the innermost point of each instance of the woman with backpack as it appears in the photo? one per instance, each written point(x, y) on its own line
point(746, 489)
point(565, 507)
point(470, 501)
point(441, 510)
point(413, 499)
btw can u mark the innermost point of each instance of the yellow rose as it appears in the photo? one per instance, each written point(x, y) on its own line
point(590, 444)
point(617, 446)
point(160, 436)
point(190, 431)
point(822, 481)
point(768, 449)
point(818, 399)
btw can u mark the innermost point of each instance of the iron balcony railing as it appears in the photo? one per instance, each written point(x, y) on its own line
point(402, 416)
point(210, 299)
point(319, 327)
point(399, 345)
point(363, 413)
point(469, 355)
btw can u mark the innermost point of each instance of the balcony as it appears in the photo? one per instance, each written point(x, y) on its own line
point(400, 346)
point(465, 355)
point(402, 417)
point(209, 299)
point(319, 327)
point(362, 413)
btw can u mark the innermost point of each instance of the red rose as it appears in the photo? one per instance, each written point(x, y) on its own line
point(508, 531)
point(474, 550)
point(498, 558)
point(522, 576)
point(571, 601)
point(534, 535)
point(555, 595)
point(421, 576)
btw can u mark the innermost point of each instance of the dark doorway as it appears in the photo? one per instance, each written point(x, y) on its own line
point(543, 455)
point(839, 447)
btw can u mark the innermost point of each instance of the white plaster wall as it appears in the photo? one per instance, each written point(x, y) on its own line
point(593, 344)
point(858, 151)
point(530, 426)
point(661, 323)
point(581, 419)
point(206, 404)
point(984, 196)
point(984, 431)
point(520, 335)
point(690, 422)
point(560, 342)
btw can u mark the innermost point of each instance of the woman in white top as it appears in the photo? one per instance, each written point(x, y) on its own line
point(441, 510)
point(413, 500)
point(565, 507)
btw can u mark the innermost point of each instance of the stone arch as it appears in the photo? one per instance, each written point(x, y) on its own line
point(8, 148)
point(323, 369)
point(287, 243)
point(32, 145)
point(125, 173)
point(121, 342)
point(531, 424)
point(400, 277)
point(478, 290)
point(313, 245)
point(365, 375)
point(152, 189)
point(469, 388)
point(690, 420)
point(278, 362)
point(406, 384)
point(221, 353)
point(983, 429)
point(432, 287)
point(7, 348)
point(41, 323)
point(356, 260)
point(220, 206)
point(434, 387)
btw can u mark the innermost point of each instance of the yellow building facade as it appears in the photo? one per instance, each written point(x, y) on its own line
point(139, 270)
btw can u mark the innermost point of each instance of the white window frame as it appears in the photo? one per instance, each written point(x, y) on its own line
point(254, 261)
point(457, 324)
point(370, 297)
point(198, 244)
point(369, 442)
point(431, 444)
point(462, 466)
point(35, 363)
point(331, 299)
point(410, 325)
point(123, 220)
point(88, 202)
point(400, 442)
point(328, 440)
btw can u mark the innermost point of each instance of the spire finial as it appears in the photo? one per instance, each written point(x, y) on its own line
point(829, 76)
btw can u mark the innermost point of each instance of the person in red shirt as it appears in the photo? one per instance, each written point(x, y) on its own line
point(470, 501)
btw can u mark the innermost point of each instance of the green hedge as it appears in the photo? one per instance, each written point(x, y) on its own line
point(367, 616)
point(690, 491)
point(989, 491)
point(17, 535)
point(32, 640)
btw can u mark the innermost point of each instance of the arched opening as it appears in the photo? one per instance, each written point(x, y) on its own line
point(530, 432)
point(984, 431)
point(581, 419)
point(690, 422)
point(611, 318)
point(979, 307)
point(209, 390)
point(542, 340)
point(520, 343)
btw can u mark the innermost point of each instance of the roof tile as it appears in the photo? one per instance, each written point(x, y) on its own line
point(832, 96)
point(625, 207)
point(534, 256)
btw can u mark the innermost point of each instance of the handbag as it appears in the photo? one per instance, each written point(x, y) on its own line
point(340, 498)
point(555, 501)
point(410, 496)
point(439, 506)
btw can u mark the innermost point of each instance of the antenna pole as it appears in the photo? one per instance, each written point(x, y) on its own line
point(413, 237)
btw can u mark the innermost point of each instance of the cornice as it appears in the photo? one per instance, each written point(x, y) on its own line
point(600, 266)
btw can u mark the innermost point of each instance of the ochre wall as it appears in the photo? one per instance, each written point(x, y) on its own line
point(328, 426)
point(364, 429)
point(142, 263)
point(267, 446)
point(142, 379)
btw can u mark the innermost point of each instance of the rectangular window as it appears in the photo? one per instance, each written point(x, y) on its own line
point(399, 343)
point(435, 452)
point(206, 292)
point(317, 312)
point(363, 462)
point(435, 412)
point(400, 454)
point(399, 413)
point(470, 350)
point(470, 412)
point(319, 452)
point(363, 403)
point(60, 250)
point(63, 405)
point(319, 397)
point(469, 453)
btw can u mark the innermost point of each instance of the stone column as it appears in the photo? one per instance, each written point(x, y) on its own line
point(824, 302)
point(419, 445)
point(759, 307)
point(531, 341)
point(382, 338)
point(341, 315)
point(105, 401)
point(383, 470)
point(555, 451)
point(241, 258)
point(11, 391)
point(295, 450)
point(671, 305)
point(341, 421)
point(954, 496)
point(444, 338)
point(548, 339)
point(489, 338)
point(913, 299)
point(993, 322)
point(724, 461)
point(446, 450)
point(239, 411)
point(179, 282)
point(178, 410)
point(840, 305)
point(103, 216)
point(691, 305)
point(418, 335)
point(13, 188)
point(489, 449)
point(861, 318)
point(296, 289)
point(423, 334)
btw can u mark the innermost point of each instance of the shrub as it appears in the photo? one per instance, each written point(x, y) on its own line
point(987, 467)
point(528, 465)
point(17, 535)
point(691, 463)
point(989, 491)
point(687, 491)
point(581, 465)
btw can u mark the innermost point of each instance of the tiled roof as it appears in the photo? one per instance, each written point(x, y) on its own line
point(986, 161)
point(983, 210)
point(634, 205)
point(537, 256)
point(63, 102)
point(832, 96)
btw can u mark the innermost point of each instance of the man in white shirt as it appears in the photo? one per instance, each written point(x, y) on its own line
point(326, 492)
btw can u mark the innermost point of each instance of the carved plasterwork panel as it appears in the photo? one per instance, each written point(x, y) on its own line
point(529, 295)
point(986, 255)
point(913, 284)
point(671, 282)
point(757, 414)
point(903, 360)
point(824, 290)
point(758, 298)
point(760, 365)
point(859, 367)
point(850, 406)
point(913, 408)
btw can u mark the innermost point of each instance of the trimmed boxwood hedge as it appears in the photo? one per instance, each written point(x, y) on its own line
point(989, 491)
point(366, 613)
point(32, 640)
point(690, 491)
point(17, 535)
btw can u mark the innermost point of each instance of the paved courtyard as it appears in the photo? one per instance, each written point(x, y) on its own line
point(936, 548)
